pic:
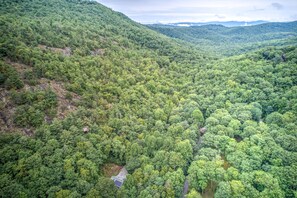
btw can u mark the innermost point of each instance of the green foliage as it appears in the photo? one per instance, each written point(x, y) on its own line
point(33, 106)
point(28, 116)
point(223, 190)
point(9, 77)
point(193, 194)
point(30, 78)
point(201, 172)
point(143, 98)
point(234, 40)
point(198, 117)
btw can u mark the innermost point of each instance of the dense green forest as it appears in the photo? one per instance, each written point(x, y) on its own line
point(235, 40)
point(85, 89)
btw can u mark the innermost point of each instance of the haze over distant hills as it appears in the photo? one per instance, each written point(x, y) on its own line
point(224, 23)
point(173, 11)
point(231, 40)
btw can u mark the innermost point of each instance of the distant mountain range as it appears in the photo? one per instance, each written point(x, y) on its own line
point(224, 23)
point(231, 40)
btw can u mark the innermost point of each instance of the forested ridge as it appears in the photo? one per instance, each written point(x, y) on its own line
point(85, 89)
point(233, 40)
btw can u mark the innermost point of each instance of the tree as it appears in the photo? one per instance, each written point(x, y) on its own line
point(201, 173)
point(175, 180)
point(193, 194)
point(63, 193)
point(198, 117)
point(185, 148)
point(9, 77)
point(223, 190)
point(274, 118)
point(237, 188)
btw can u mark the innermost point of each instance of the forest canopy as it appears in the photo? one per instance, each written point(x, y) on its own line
point(85, 89)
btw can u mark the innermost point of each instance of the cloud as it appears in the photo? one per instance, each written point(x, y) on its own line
point(277, 6)
point(145, 11)
point(255, 9)
point(220, 16)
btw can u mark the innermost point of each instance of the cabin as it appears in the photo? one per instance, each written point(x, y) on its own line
point(120, 178)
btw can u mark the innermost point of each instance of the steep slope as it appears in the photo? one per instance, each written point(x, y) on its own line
point(54, 39)
point(121, 82)
point(98, 91)
point(83, 26)
point(233, 40)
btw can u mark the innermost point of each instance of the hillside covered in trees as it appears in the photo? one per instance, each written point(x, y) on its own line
point(85, 90)
point(233, 40)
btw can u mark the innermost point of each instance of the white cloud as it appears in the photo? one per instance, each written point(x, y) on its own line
point(201, 10)
point(277, 6)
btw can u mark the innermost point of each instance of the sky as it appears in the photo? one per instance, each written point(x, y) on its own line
point(169, 11)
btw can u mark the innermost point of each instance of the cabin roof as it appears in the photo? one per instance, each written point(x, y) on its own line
point(118, 183)
point(119, 179)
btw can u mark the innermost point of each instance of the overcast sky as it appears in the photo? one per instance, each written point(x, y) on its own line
point(166, 11)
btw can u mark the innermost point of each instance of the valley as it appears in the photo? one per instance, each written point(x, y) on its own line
point(85, 91)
